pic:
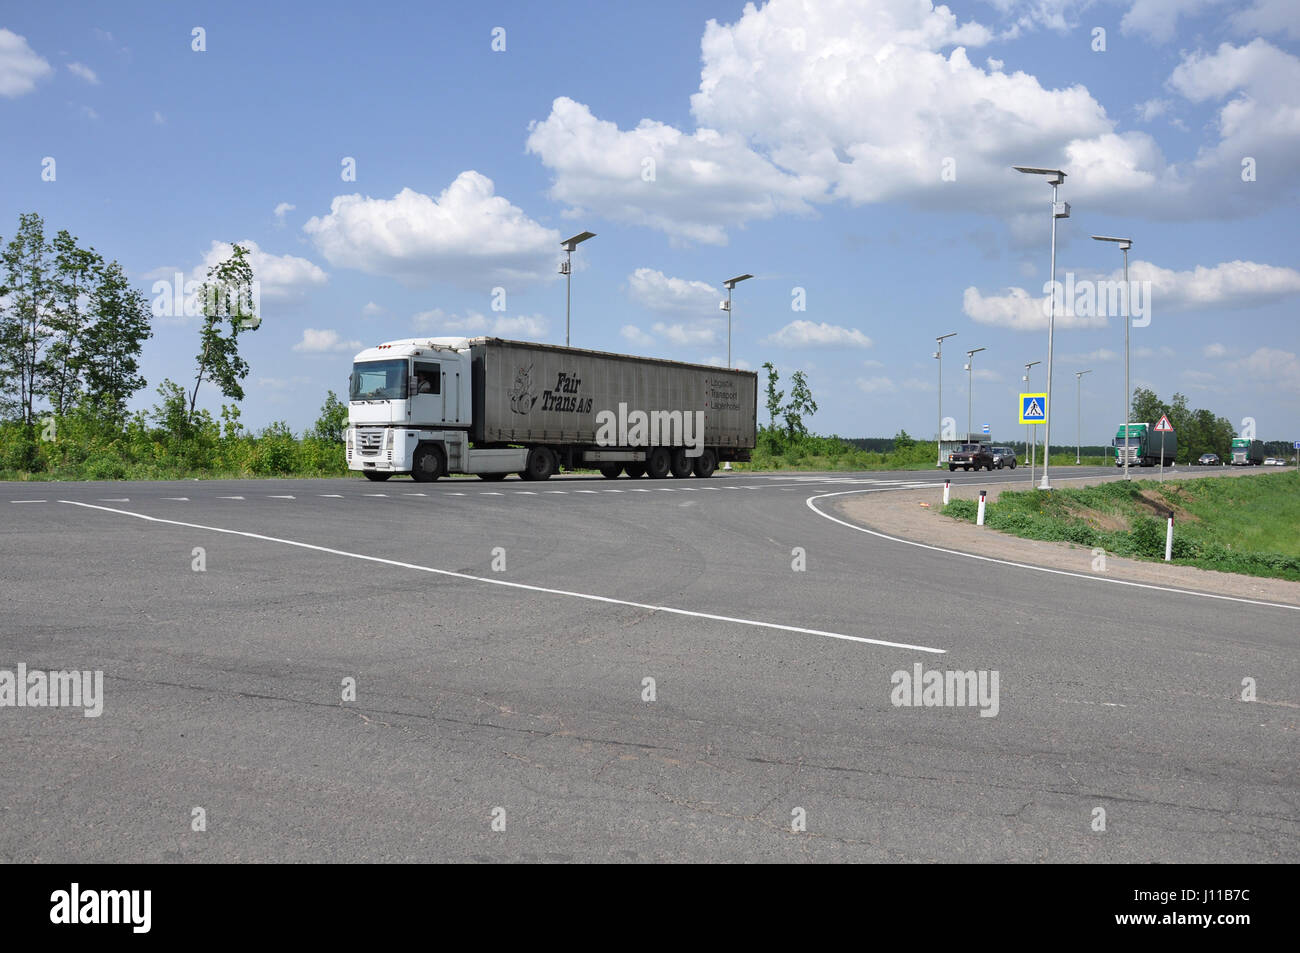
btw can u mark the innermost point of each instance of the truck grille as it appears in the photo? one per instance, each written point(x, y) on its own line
point(369, 442)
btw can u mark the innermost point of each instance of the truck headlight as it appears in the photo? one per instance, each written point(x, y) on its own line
point(349, 438)
point(388, 439)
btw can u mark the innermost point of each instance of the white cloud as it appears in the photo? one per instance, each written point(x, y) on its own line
point(809, 334)
point(738, 363)
point(656, 291)
point(1270, 365)
point(159, 119)
point(876, 385)
point(1268, 16)
point(1151, 109)
point(1158, 19)
point(528, 327)
point(1163, 351)
point(685, 335)
point(324, 341)
point(280, 277)
point(1100, 355)
point(20, 66)
point(1214, 350)
point(1020, 311)
point(82, 71)
point(689, 185)
point(635, 335)
point(467, 235)
point(89, 112)
point(372, 310)
point(873, 363)
point(917, 384)
point(283, 209)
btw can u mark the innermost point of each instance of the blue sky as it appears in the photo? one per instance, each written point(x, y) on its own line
point(854, 156)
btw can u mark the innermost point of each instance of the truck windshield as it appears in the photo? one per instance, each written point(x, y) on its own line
point(379, 380)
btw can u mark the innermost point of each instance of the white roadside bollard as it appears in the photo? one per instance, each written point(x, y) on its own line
point(979, 517)
point(1169, 539)
point(947, 486)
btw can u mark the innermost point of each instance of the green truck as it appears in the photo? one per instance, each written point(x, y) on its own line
point(1247, 453)
point(1143, 445)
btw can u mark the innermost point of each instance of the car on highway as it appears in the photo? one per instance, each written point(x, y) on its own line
point(1274, 462)
point(971, 456)
point(1004, 457)
point(1209, 460)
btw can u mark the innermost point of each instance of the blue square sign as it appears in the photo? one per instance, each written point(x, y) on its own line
point(1033, 408)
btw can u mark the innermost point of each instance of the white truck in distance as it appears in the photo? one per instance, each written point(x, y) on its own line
point(435, 406)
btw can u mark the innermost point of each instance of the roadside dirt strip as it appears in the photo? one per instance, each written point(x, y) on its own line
point(903, 514)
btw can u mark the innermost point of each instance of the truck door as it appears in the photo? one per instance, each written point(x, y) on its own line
point(428, 402)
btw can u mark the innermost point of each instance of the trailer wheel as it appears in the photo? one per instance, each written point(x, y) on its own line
point(610, 471)
point(376, 476)
point(634, 470)
point(680, 464)
point(658, 463)
point(540, 464)
point(427, 465)
point(705, 464)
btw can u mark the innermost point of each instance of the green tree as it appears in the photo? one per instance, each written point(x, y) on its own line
point(28, 290)
point(112, 344)
point(333, 420)
point(903, 441)
point(1146, 407)
point(801, 405)
point(76, 271)
point(774, 396)
point(228, 296)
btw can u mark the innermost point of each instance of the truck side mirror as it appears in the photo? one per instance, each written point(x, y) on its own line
point(413, 385)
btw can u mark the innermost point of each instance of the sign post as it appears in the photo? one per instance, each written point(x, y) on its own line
point(1033, 410)
point(1163, 426)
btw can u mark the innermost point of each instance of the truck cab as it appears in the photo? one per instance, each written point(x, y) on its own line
point(408, 404)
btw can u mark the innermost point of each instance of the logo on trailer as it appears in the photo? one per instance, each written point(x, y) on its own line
point(522, 397)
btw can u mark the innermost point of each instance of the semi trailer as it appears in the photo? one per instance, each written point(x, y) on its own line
point(1247, 453)
point(1142, 446)
point(491, 407)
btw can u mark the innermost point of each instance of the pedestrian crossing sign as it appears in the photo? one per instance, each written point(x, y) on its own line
point(1033, 408)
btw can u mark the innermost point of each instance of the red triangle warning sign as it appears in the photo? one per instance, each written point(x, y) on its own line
point(1164, 426)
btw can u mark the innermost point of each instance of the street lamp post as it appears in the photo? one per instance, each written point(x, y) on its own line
point(970, 385)
point(730, 284)
point(1031, 430)
point(1059, 210)
point(938, 356)
point(566, 269)
point(1078, 414)
point(1124, 244)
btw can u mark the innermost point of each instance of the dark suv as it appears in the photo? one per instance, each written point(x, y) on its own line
point(970, 455)
point(1004, 457)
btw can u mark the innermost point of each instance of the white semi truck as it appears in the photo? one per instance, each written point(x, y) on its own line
point(436, 406)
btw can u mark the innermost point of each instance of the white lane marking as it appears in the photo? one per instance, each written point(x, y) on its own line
point(331, 496)
point(584, 491)
point(590, 597)
point(29, 501)
point(557, 491)
point(114, 499)
point(491, 493)
point(414, 494)
point(179, 499)
point(666, 489)
point(611, 491)
point(230, 497)
point(274, 497)
point(1007, 562)
point(374, 494)
point(639, 490)
point(524, 492)
point(454, 494)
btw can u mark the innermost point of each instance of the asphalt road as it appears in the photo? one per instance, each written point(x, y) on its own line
point(500, 637)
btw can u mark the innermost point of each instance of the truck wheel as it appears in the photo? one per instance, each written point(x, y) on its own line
point(705, 464)
point(966, 469)
point(610, 471)
point(658, 463)
point(680, 463)
point(952, 468)
point(492, 477)
point(540, 464)
point(634, 470)
point(376, 476)
point(426, 465)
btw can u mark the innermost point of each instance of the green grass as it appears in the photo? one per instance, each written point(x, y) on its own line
point(1248, 525)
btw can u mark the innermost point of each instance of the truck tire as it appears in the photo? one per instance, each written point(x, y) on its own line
point(610, 471)
point(540, 464)
point(376, 476)
point(952, 468)
point(427, 464)
point(634, 470)
point(705, 464)
point(658, 462)
point(680, 464)
point(492, 477)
